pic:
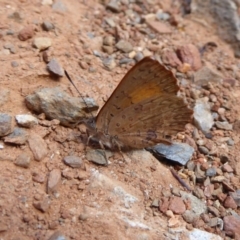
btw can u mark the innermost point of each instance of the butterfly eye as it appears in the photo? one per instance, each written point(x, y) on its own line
point(118, 124)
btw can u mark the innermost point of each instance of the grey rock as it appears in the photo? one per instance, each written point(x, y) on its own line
point(19, 136)
point(23, 160)
point(57, 104)
point(109, 63)
point(5, 124)
point(57, 236)
point(26, 120)
point(211, 172)
point(178, 152)
point(125, 61)
point(47, 26)
point(197, 206)
point(114, 6)
point(97, 156)
point(139, 56)
point(202, 115)
point(228, 23)
point(54, 67)
point(196, 234)
point(203, 150)
point(207, 74)
point(189, 216)
point(59, 6)
point(74, 162)
point(124, 46)
point(14, 64)
point(224, 125)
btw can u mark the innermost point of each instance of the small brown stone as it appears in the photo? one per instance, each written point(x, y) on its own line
point(190, 54)
point(54, 180)
point(26, 33)
point(230, 203)
point(163, 204)
point(177, 205)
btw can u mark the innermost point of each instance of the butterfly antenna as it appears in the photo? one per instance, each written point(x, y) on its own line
point(71, 81)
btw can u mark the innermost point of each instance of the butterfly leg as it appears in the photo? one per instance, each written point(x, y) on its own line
point(104, 152)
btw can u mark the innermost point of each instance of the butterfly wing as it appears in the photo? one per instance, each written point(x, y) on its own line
point(144, 108)
point(149, 122)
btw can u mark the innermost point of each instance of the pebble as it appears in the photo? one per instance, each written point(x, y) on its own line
point(108, 40)
point(97, 156)
point(26, 120)
point(227, 168)
point(59, 6)
point(26, 33)
point(6, 124)
point(38, 177)
point(19, 136)
point(197, 205)
point(109, 63)
point(189, 216)
point(155, 203)
point(163, 204)
point(47, 2)
point(124, 46)
point(236, 197)
point(42, 43)
point(176, 205)
point(57, 236)
point(57, 104)
point(74, 162)
point(177, 152)
point(191, 55)
point(202, 115)
point(211, 172)
point(139, 56)
point(42, 205)
point(230, 203)
point(47, 26)
point(224, 125)
point(159, 27)
point(14, 64)
point(169, 57)
point(231, 225)
point(38, 146)
point(55, 68)
point(114, 6)
point(203, 150)
point(214, 222)
point(108, 49)
point(54, 181)
point(207, 74)
point(23, 160)
point(214, 211)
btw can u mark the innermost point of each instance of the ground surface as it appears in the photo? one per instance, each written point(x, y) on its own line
point(98, 202)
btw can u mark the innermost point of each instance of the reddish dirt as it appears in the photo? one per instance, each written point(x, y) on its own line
point(86, 193)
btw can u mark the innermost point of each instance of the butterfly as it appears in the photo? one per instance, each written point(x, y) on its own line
point(142, 111)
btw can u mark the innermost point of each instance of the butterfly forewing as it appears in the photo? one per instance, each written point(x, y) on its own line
point(144, 107)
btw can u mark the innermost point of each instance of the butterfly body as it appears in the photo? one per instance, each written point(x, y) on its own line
point(142, 111)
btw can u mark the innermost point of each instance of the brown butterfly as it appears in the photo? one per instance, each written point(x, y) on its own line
point(142, 111)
